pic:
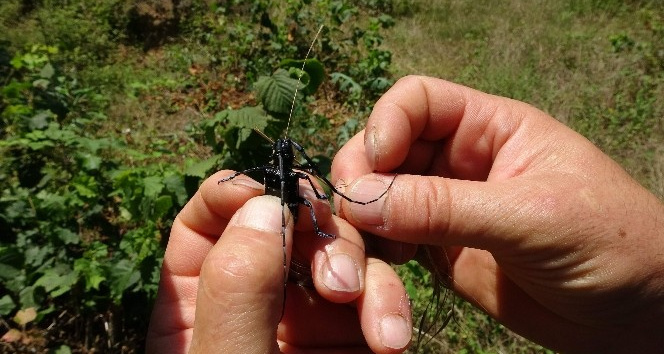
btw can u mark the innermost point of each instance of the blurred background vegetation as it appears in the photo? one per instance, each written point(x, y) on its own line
point(113, 111)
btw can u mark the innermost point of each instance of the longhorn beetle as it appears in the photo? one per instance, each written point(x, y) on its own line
point(281, 177)
point(282, 173)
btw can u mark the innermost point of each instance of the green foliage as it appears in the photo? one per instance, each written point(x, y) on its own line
point(90, 181)
point(80, 226)
point(630, 119)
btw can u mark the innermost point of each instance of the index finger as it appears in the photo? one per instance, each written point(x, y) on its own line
point(429, 126)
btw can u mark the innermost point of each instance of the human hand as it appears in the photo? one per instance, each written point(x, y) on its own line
point(542, 230)
point(225, 293)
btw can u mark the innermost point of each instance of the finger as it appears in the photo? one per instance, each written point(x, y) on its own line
point(445, 212)
point(337, 264)
point(202, 220)
point(390, 251)
point(320, 207)
point(384, 310)
point(420, 108)
point(311, 321)
point(194, 232)
point(384, 325)
point(240, 294)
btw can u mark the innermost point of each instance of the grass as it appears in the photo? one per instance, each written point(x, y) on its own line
point(597, 66)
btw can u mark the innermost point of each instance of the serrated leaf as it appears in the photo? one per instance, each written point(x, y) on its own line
point(57, 284)
point(91, 272)
point(23, 317)
point(347, 84)
point(152, 186)
point(200, 168)
point(241, 122)
point(67, 236)
point(83, 190)
point(247, 118)
point(276, 92)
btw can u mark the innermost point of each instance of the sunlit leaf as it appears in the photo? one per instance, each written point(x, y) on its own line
point(314, 69)
point(47, 71)
point(152, 186)
point(23, 317)
point(57, 284)
point(276, 92)
point(63, 349)
point(200, 169)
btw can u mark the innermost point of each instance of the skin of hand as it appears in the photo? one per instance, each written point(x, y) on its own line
point(542, 231)
point(222, 281)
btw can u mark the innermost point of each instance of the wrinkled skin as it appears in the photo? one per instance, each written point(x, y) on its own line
point(544, 232)
point(541, 230)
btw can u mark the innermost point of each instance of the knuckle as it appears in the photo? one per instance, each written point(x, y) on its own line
point(419, 207)
point(238, 271)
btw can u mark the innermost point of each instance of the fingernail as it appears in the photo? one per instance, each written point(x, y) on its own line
point(394, 331)
point(371, 213)
point(308, 193)
point(247, 182)
point(341, 188)
point(340, 273)
point(261, 213)
point(370, 139)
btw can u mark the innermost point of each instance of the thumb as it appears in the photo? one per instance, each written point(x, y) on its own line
point(241, 286)
point(444, 212)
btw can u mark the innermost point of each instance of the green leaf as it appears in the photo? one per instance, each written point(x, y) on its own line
point(201, 168)
point(41, 84)
point(55, 283)
point(47, 71)
point(241, 123)
point(314, 69)
point(89, 162)
point(63, 349)
point(17, 61)
point(91, 272)
point(7, 305)
point(40, 120)
point(347, 84)
point(276, 92)
point(10, 262)
point(122, 276)
point(67, 236)
point(152, 186)
point(174, 183)
point(161, 206)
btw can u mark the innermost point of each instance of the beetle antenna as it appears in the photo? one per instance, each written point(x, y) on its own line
point(263, 135)
point(299, 79)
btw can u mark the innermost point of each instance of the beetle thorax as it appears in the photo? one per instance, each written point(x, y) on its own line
point(283, 150)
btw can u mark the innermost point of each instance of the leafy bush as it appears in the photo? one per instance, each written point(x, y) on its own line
point(85, 206)
point(75, 220)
